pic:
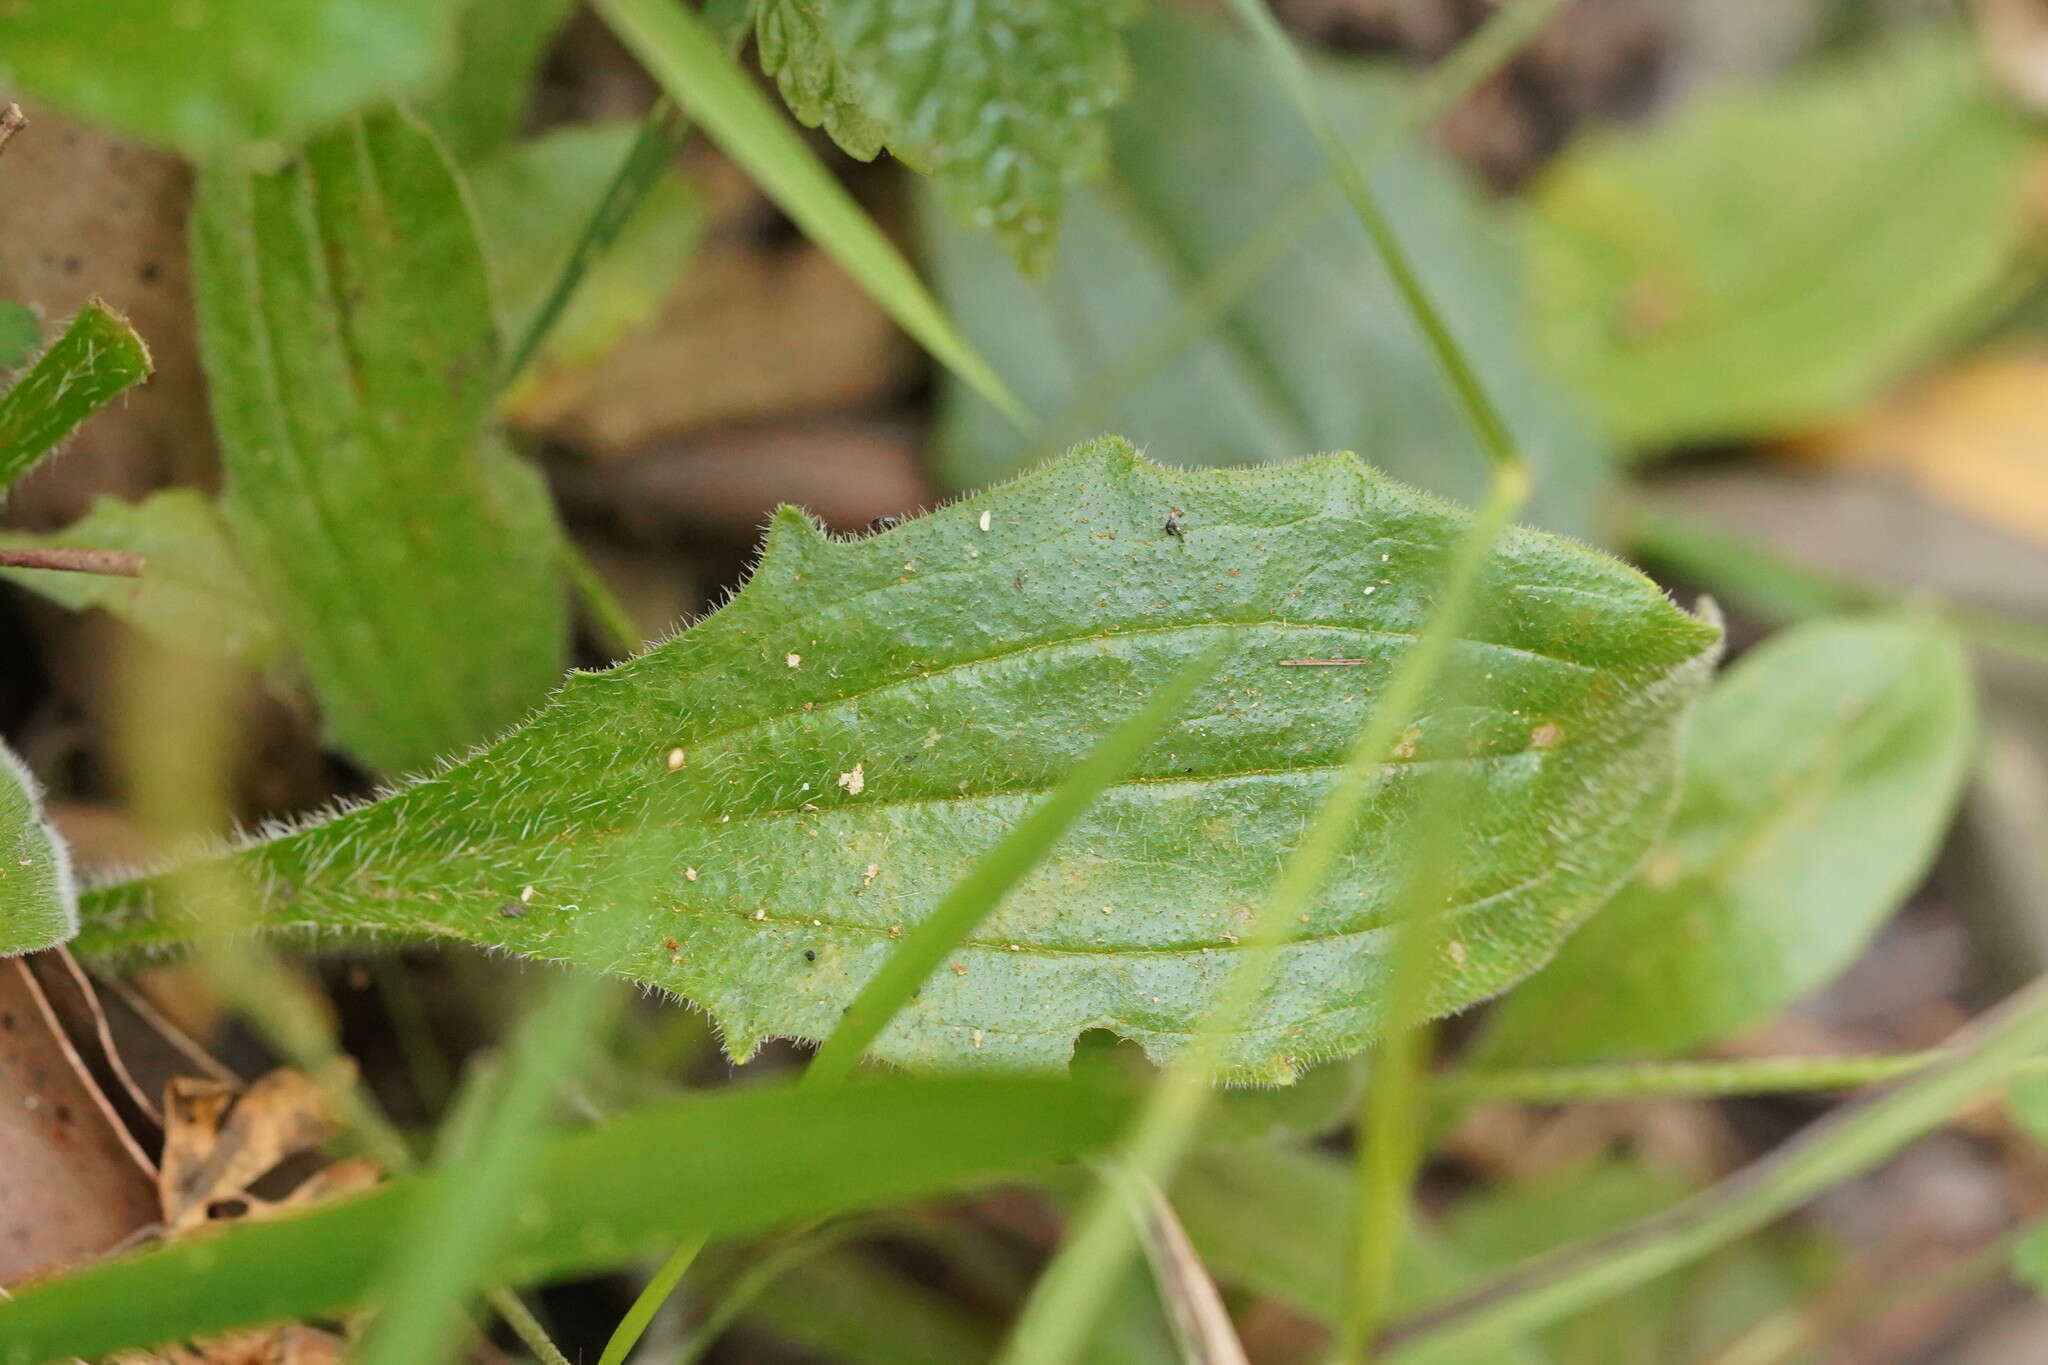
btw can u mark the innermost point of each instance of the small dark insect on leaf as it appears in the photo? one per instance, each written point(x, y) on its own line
point(1173, 525)
point(810, 954)
point(883, 523)
point(512, 909)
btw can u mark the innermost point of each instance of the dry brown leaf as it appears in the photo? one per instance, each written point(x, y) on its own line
point(217, 1143)
point(1974, 437)
point(73, 1182)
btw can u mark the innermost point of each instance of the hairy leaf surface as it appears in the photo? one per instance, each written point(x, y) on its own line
point(750, 814)
point(193, 593)
point(97, 357)
point(1819, 778)
point(1318, 354)
point(38, 904)
point(350, 349)
point(206, 75)
point(1001, 100)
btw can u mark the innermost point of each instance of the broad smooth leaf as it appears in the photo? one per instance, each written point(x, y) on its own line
point(533, 199)
point(1319, 354)
point(1692, 278)
point(346, 325)
point(38, 901)
point(751, 814)
point(477, 106)
point(207, 75)
point(1820, 776)
point(193, 593)
point(740, 1161)
point(97, 357)
point(1001, 101)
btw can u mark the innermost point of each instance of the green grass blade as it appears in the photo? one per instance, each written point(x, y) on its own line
point(1072, 1293)
point(733, 1163)
point(975, 896)
point(687, 58)
point(451, 1236)
point(97, 357)
point(662, 133)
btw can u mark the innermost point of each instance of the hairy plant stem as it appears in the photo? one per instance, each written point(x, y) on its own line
point(1845, 1143)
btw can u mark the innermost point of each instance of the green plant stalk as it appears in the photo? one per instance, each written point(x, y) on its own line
point(976, 895)
point(1487, 422)
point(1689, 1079)
point(452, 1237)
point(758, 1278)
point(605, 612)
point(1069, 1298)
point(1757, 577)
point(648, 1302)
point(662, 134)
point(97, 357)
point(973, 898)
point(677, 48)
point(1854, 1138)
point(1490, 47)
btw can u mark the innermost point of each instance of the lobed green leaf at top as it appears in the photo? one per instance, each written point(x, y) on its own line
point(207, 75)
point(752, 814)
point(1000, 101)
point(351, 358)
point(1821, 774)
point(97, 356)
point(38, 900)
point(1770, 257)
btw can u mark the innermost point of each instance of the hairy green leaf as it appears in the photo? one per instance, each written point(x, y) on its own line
point(206, 75)
point(193, 593)
point(794, 48)
point(533, 199)
point(346, 326)
point(38, 905)
point(731, 1163)
point(97, 357)
point(1820, 776)
point(1694, 278)
point(1001, 100)
point(799, 778)
point(476, 108)
point(1319, 355)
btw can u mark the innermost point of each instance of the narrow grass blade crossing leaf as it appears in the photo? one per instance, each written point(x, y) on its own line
point(733, 1163)
point(695, 69)
point(95, 358)
point(813, 767)
point(1820, 775)
point(996, 873)
point(456, 1231)
point(193, 594)
point(346, 325)
point(205, 78)
point(38, 901)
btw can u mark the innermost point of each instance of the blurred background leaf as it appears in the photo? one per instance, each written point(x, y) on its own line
point(1318, 355)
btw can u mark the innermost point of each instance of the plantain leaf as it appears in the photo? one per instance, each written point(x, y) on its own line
point(1820, 777)
point(751, 814)
point(193, 592)
point(206, 75)
point(97, 357)
point(38, 903)
point(740, 1161)
point(346, 325)
point(1690, 277)
point(1319, 354)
